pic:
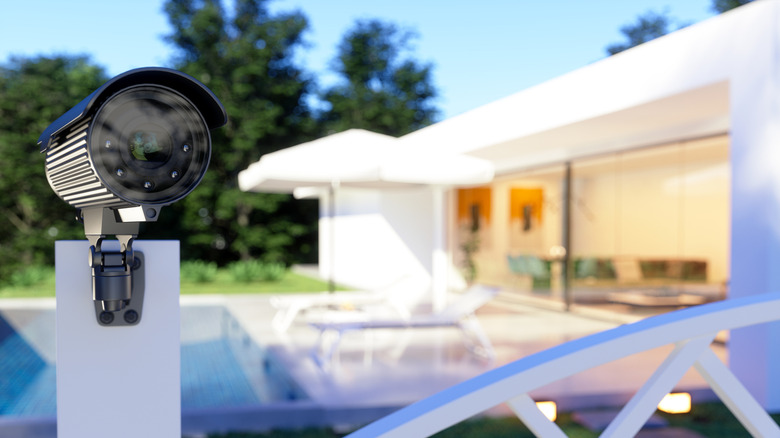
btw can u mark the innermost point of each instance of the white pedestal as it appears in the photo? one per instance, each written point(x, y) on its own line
point(118, 381)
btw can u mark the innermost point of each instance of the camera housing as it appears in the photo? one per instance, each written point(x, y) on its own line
point(139, 142)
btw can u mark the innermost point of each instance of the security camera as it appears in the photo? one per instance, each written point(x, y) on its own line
point(138, 143)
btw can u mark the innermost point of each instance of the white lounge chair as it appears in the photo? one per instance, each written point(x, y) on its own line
point(459, 314)
point(393, 296)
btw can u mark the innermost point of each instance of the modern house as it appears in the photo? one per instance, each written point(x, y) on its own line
point(652, 174)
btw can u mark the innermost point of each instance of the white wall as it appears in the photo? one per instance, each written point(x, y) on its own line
point(755, 255)
point(380, 238)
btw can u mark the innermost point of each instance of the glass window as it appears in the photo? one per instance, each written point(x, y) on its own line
point(650, 228)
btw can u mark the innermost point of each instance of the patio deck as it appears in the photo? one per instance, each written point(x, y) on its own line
point(380, 371)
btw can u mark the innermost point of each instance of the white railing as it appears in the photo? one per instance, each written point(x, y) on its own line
point(690, 330)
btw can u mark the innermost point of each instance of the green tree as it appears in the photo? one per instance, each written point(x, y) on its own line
point(380, 89)
point(721, 6)
point(652, 25)
point(33, 93)
point(247, 59)
point(648, 26)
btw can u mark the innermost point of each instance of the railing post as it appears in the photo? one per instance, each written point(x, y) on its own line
point(639, 409)
point(736, 397)
point(526, 410)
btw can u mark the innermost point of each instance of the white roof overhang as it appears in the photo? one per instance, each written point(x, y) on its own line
point(694, 114)
point(676, 87)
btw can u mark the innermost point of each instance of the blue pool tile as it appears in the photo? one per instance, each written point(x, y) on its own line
point(211, 376)
point(19, 365)
point(5, 329)
point(39, 397)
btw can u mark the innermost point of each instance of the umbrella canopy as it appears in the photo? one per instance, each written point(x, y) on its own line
point(359, 158)
point(347, 157)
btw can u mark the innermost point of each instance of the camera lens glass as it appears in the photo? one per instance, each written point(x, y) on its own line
point(149, 144)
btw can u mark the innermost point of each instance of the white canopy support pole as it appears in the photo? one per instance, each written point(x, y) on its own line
point(439, 263)
point(334, 185)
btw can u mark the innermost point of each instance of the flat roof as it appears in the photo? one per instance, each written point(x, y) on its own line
point(677, 87)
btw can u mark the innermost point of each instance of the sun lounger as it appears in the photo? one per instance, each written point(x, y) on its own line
point(459, 314)
point(288, 307)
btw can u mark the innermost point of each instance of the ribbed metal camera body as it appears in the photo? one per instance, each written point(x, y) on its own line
point(140, 140)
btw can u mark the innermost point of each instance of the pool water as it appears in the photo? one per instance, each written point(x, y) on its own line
point(220, 364)
point(26, 379)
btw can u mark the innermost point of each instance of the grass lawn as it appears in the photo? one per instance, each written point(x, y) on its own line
point(712, 420)
point(476, 428)
point(40, 289)
point(222, 284)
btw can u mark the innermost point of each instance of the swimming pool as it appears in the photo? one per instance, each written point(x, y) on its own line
point(221, 366)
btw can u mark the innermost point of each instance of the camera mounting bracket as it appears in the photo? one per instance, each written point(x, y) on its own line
point(117, 276)
point(131, 312)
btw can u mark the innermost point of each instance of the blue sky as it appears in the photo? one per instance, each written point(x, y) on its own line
point(481, 50)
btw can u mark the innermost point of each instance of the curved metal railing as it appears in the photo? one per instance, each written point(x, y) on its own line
point(690, 330)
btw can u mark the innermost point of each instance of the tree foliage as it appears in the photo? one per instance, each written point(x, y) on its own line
point(380, 89)
point(647, 27)
point(652, 25)
point(246, 58)
point(721, 6)
point(33, 93)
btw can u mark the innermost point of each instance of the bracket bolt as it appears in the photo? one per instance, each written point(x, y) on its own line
point(131, 317)
point(106, 318)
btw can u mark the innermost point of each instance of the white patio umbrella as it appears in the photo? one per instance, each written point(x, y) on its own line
point(359, 158)
point(350, 158)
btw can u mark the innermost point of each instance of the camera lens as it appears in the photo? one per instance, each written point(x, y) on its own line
point(145, 146)
point(141, 137)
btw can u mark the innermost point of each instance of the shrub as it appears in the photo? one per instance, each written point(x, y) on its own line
point(30, 276)
point(244, 271)
point(273, 272)
point(253, 270)
point(198, 271)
